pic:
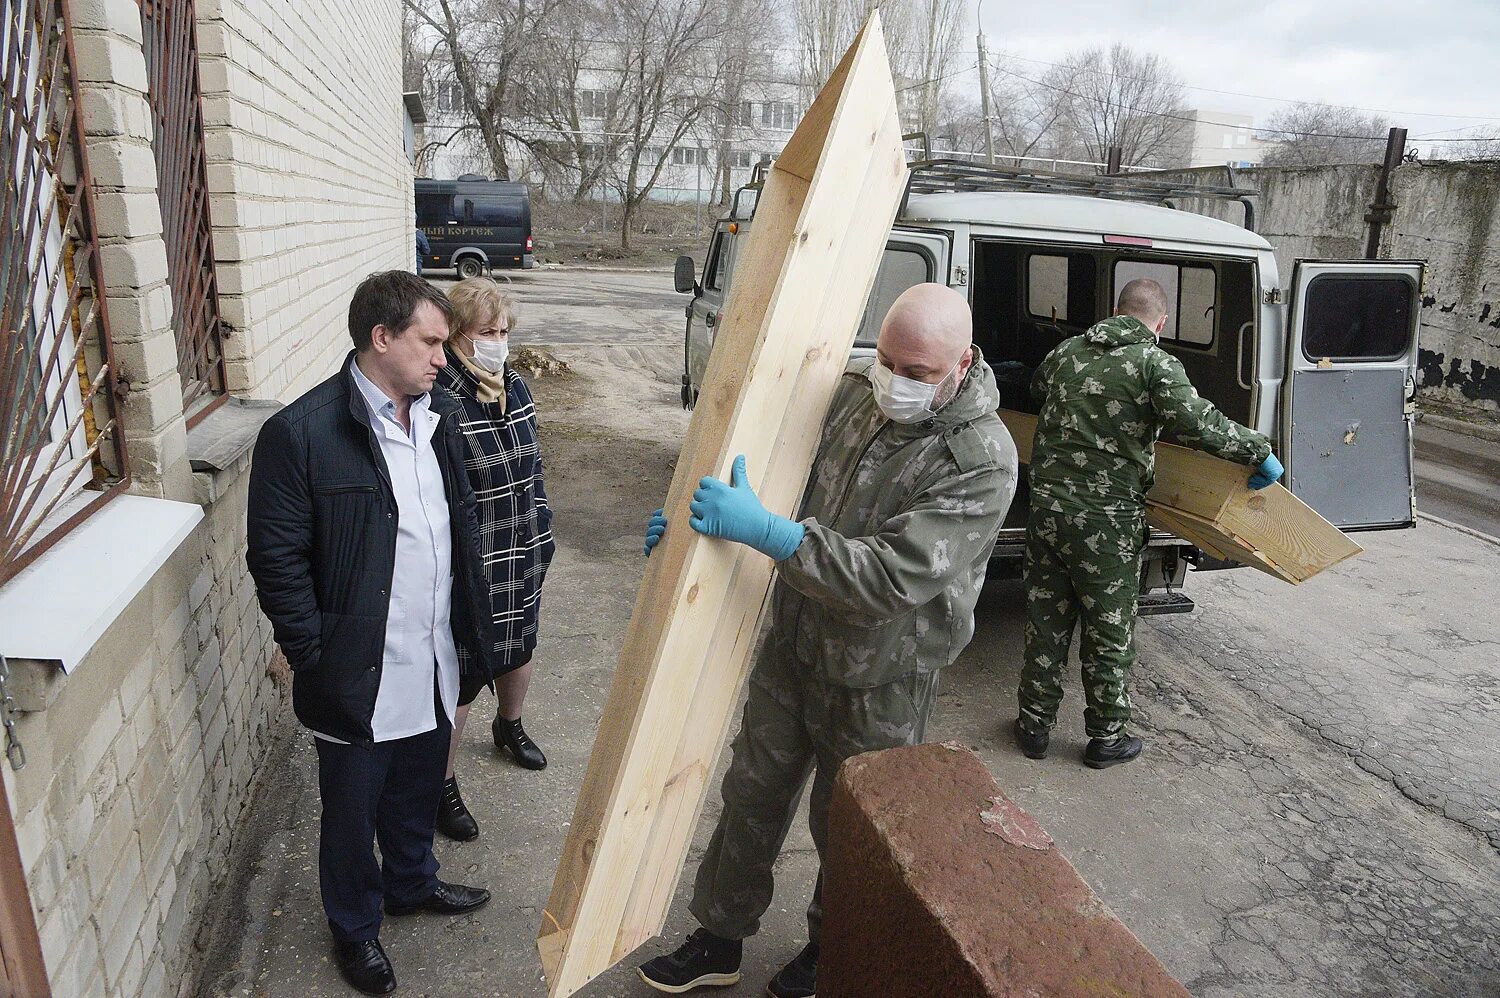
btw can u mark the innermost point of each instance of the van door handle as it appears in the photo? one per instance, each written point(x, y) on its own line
point(709, 318)
point(1239, 358)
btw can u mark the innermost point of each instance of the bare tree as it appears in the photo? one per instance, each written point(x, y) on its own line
point(923, 38)
point(1030, 117)
point(484, 41)
point(824, 29)
point(1120, 97)
point(667, 82)
point(584, 121)
point(1321, 134)
point(1482, 148)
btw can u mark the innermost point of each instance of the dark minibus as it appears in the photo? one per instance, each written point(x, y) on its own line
point(475, 224)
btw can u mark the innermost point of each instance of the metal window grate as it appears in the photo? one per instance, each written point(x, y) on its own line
point(61, 453)
point(170, 34)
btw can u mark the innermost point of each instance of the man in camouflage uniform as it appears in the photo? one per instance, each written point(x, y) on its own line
point(913, 476)
point(1105, 396)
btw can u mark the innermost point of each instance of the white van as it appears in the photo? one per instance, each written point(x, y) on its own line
point(1322, 361)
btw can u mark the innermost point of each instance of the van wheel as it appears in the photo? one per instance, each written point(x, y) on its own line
point(470, 267)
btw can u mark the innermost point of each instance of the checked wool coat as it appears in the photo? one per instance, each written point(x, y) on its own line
point(504, 465)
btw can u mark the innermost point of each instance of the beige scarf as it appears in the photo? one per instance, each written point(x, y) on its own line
point(491, 386)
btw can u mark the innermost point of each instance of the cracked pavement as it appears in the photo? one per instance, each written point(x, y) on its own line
point(1317, 812)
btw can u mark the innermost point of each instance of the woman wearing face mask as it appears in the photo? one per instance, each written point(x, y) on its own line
point(515, 522)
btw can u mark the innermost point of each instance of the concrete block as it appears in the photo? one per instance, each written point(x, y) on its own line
point(32, 835)
point(122, 162)
point(936, 885)
point(107, 15)
point(132, 213)
point(148, 358)
point(105, 58)
point(80, 971)
point(115, 837)
point(139, 263)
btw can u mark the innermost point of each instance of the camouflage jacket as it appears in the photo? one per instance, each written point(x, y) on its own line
point(1105, 396)
point(900, 522)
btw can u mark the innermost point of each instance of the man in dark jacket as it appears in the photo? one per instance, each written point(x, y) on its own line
point(363, 542)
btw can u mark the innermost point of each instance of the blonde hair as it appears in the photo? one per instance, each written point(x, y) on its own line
point(477, 301)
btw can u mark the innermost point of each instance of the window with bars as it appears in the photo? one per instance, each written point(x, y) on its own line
point(61, 455)
point(170, 37)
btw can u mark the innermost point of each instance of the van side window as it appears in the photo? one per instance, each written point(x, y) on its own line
point(713, 268)
point(1047, 287)
point(1191, 292)
point(1357, 318)
point(901, 267)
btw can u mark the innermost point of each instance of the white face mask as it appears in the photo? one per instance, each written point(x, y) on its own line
point(490, 354)
point(906, 400)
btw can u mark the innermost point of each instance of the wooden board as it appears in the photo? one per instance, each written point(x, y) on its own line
point(1208, 502)
point(810, 259)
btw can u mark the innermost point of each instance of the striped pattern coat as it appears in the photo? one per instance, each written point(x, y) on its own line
point(515, 523)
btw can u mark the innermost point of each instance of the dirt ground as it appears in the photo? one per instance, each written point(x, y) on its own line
point(588, 232)
point(1316, 813)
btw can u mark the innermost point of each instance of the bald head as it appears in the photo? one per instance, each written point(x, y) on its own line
point(927, 332)
point(1146, 300)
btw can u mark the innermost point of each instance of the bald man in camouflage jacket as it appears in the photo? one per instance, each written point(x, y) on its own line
point(1105, 396)
point(877, 584)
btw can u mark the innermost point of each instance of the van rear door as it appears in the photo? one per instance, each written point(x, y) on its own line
point(1350, 382)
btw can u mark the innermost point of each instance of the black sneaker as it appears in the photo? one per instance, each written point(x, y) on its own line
point(1032, 746)
point(1101, 753)
point(704, 960)
point(798, 979)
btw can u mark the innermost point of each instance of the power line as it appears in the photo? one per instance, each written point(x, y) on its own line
point(1197, 120)
point(1282, 100)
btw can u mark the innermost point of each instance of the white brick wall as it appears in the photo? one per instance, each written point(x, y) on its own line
point(311, 186)
point(140, 770)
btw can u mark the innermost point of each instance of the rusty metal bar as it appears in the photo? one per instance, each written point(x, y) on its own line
point(1383, 207)
point(169, 29)
point(59, 396)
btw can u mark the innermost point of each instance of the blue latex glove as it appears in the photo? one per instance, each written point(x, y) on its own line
point(734, 513)
point(655, 527)
point(1269, 471)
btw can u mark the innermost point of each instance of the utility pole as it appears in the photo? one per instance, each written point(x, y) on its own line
point(984, 89)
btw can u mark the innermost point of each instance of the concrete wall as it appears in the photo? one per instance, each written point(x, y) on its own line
point(142, 759)
point(1447, 214)
point(311, 184)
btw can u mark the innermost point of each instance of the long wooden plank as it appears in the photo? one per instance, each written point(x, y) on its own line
point(1207, 501)
point(809, 262)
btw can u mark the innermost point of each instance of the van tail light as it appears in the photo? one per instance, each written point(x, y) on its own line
point(528, 244)
point(1127, 240)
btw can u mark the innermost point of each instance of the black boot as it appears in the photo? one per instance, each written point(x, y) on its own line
point(798, 979)
point(704, 960)
point(1033, 746)
point(511, 736)
point(1102, 754)
point(453, 817)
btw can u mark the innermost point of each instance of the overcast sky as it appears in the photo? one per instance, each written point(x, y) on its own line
point(1423, 63)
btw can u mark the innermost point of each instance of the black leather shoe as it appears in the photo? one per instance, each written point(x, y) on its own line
point(448, 899)
point(453, 817)
point(1101, 753)
point(704, 960)
point(1032, 746)
point(365, 966)
point(798, 979)
point(509, 735)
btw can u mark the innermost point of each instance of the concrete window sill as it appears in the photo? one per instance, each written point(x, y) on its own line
point(219, 447)
point(55, 611)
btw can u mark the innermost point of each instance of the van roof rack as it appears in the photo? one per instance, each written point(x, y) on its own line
point(945, 176)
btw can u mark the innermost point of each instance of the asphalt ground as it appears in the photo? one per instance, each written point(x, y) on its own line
point(1316, 812)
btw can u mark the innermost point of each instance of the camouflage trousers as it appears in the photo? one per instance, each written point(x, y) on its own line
point(795, 724)
point(1080, 568)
